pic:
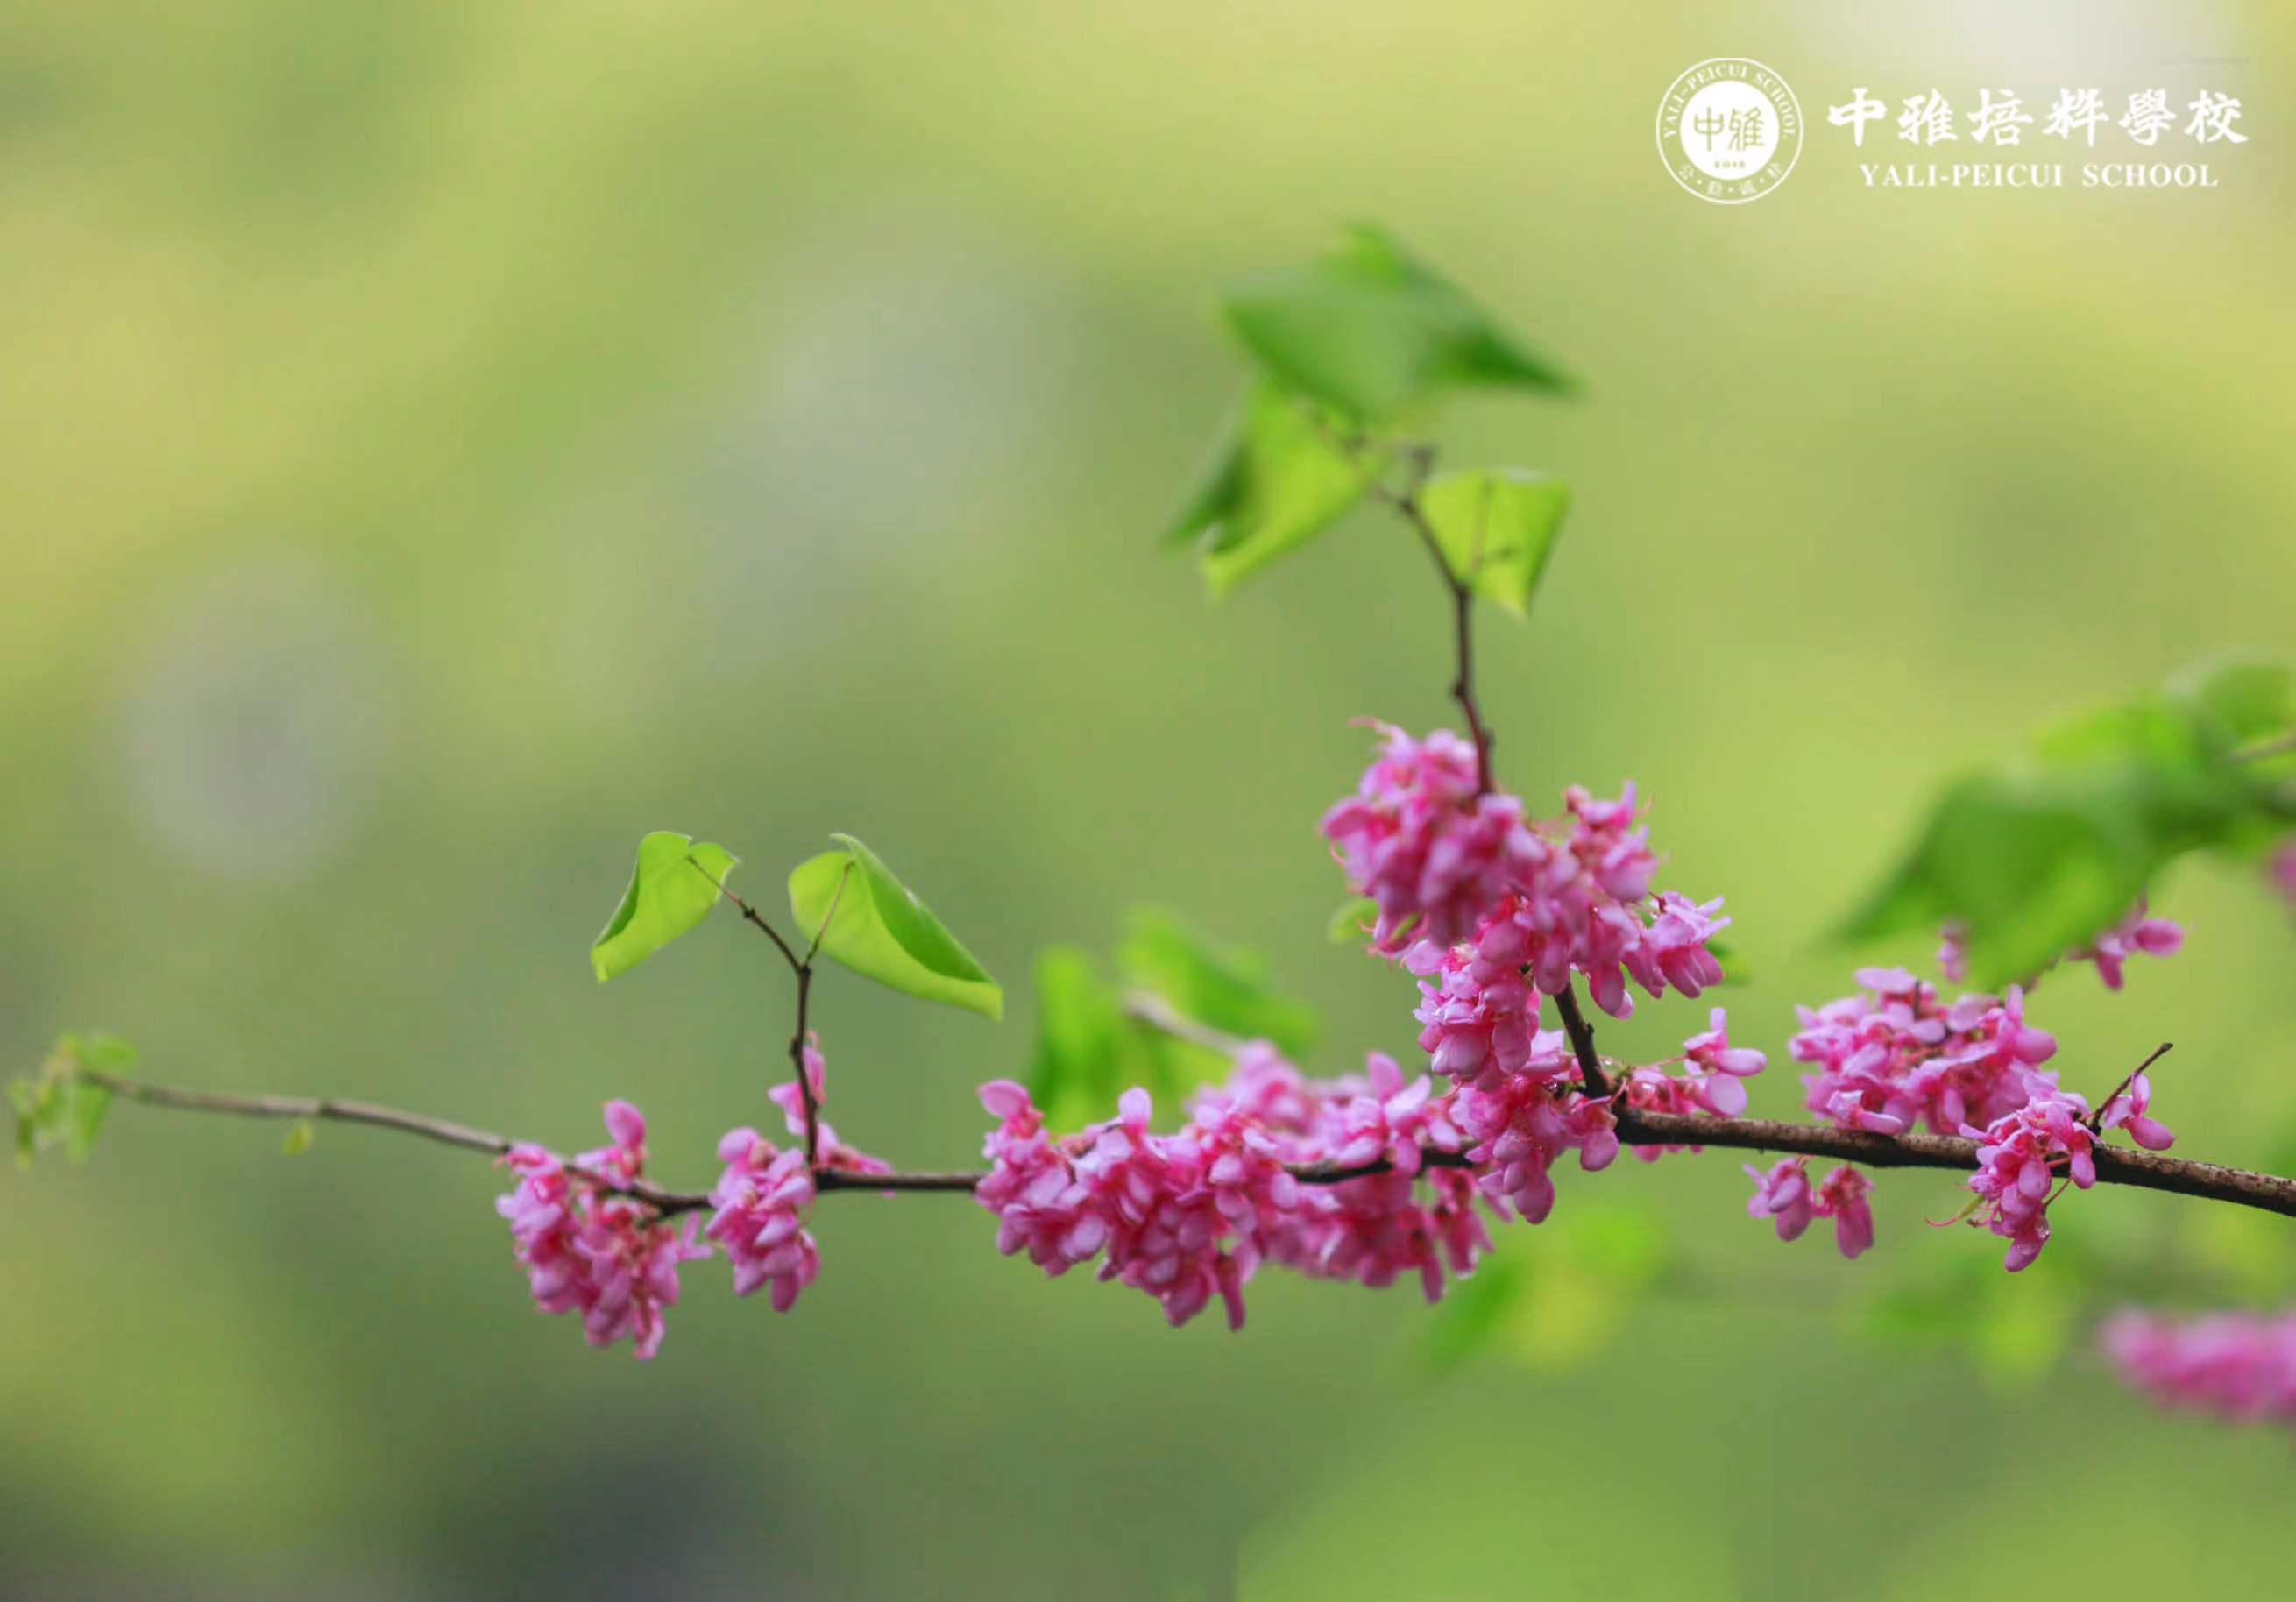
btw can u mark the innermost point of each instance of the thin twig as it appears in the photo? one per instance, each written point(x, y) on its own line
point(1407, 504)
point(797, 1062)
point(1160, 1015)
point(328, 1109)
point(1582, 1042)
point(2115, 1165)
point(751, 914)
point(2096, 1114)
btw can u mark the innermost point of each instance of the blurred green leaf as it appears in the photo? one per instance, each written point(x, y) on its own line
point(1088, 1050)
point(1372, 331)
point(60, 1109)
point(1223, 987)
point(882, 931)
point(300, 1136)
point(1281, 478)
point(673, 887)
point(1734, 971)
point(2034, 859)
point(1475, 1311)
point(1496, 528)
point(2238, 699)
point(2013, 1327)
point(1353, 921)
point(1556, 1302)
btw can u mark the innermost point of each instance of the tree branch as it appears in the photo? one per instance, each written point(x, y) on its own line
point(329, 1110)
point(1582, 1042)
point(2115, 1165)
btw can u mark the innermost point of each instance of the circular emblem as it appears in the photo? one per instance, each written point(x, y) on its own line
point(1729, 130)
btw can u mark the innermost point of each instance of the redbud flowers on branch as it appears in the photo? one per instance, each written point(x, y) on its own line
point(1386, 1175)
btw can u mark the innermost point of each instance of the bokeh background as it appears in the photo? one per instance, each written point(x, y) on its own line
point(440, 443)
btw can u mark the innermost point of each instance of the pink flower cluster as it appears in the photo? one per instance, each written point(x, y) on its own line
point(2022, 1154)
point(1782, 1195)
point(1177, 1215)
point(2240, 1365)
point(761, 1199)
point(762, 1196)
point(1422, 840)
point(1189, 1216)
point(1446, 864)
point(588, 1250)
point(2284, 870)
point(2018, 1157)
point(1894, 1056)
point(829, 1152)
point(1416, 1220)
point(1715, 1088)
point(2138, 933)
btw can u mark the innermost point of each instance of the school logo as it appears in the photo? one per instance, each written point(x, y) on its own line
point(1729, 130)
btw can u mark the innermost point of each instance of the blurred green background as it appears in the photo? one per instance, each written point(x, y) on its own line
point(441, 443)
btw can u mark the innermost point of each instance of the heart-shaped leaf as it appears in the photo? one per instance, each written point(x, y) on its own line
point(675, 884)
point(1497, 528)
point(1372, 331)
point(873, 924)
point(1282, 477)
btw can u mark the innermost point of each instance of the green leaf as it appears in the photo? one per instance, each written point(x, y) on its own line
point(61, 1109)
point(84, 1107)
point(1223, 986)
point(2238, 700)
point(673, 887)
point(1373, 332)
point(1589, 1275)
point(1281, 478)
point(1497, 528)
point(1734, 971)
point(1352, 921)
point(2014, 1328)
point(882, 931)
point(300, 1136)
point(23, 1095)
point(1088, 1049)
point(1475, 1312)
point(2035, 858)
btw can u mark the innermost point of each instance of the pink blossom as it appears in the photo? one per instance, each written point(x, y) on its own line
point(1714, 1089)
point(1953, 953)
point(1520, 1127)
point(2125, 1111)
point(2137, 932)
point(1419, 840)
point(1784, 1195)
point(1178, 1215)
point(586, 1249)
point(1478, 1015)
point(2017, 1157)
point(761, 1200)
point(1417, 1220)
point(2283, 870)
point(1475, 899)
point(1672, 950)
point(829, 1151)
point(1040, 1208)
point(1895, 1057)
point(1187, 1216)
point(2240, 1365)
point(1841, 1196)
